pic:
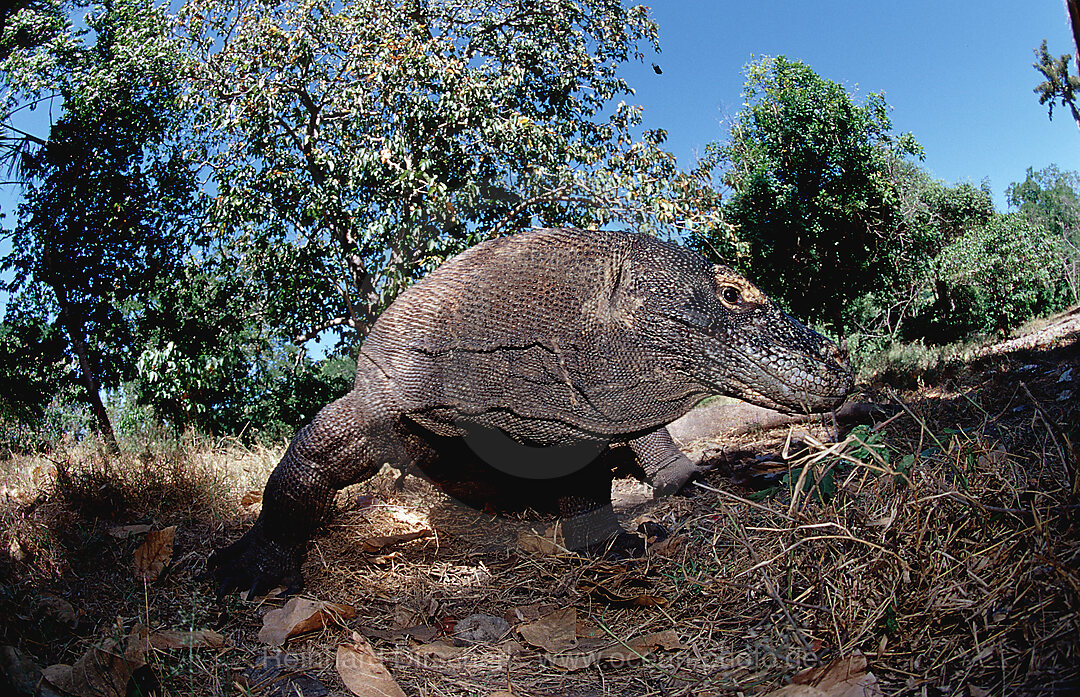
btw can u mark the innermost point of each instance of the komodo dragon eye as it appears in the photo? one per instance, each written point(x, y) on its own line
point(730, 295)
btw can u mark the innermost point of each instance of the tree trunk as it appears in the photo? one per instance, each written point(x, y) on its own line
point(93, 393)
point(78, 342)
point(1074, 20)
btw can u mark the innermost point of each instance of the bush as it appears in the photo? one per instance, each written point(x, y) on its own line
point(993, 278)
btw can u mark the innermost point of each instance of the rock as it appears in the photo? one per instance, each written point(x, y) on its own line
point(480, 629)
point(56, 609)
point(20, 670)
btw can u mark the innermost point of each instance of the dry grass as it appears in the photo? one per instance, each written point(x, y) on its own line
point(943, 543)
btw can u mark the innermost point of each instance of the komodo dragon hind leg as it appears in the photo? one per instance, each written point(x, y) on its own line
point(590, 524)
point(346, 443)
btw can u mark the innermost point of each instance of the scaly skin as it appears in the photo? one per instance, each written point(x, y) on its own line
point(548, 339)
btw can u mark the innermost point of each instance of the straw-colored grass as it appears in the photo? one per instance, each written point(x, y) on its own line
point(942, 542)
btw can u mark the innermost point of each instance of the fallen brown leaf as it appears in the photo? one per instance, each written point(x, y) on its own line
point(633, 650)
point(362, 671)
point(527, 613)
point(797, 691)
point(20, 670)
point(554, 632)
point(376, 544)
point(301, 615)
point(549, 544)
point(668, 547)
point(251, 498)
point(154, 553)
point(17, 550)
point(608, 592)
point(843, 677)
point(441, 649)
point(180, 639)
point(56, 609)
point(104, 670)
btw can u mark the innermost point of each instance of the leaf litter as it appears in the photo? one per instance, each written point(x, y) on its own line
point(945, 552)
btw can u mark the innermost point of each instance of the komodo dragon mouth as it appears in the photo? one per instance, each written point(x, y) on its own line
point(741, 344)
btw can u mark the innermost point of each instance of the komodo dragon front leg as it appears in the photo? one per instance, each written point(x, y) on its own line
point(667, 468)
point(589, 519)
point(346, 443)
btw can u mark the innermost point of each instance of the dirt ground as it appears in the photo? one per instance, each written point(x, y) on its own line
point(935, 547)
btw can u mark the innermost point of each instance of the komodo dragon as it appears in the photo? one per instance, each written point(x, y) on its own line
point(551, 338)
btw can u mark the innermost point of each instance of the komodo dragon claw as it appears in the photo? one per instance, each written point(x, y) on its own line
point(257, 564)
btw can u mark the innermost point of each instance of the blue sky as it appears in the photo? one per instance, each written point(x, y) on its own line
point(957, 74)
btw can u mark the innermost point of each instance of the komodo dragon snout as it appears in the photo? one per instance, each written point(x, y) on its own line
point(740, 343)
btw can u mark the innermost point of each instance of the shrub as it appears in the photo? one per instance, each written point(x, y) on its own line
point(993, 278)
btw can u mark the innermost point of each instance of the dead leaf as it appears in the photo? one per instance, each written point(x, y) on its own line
point(362, 671)
point(668, 547)
point(554, 632)
point(633, 650)
point(480, 629)
point(21, 671)
point(995, 458)
point(122, 532)
point(610, 591)
point(104, 670)
point(376, 544)
point(511, 647)
point(549, 544)
point(301, 615)
point(179, 639)
point(797, 691)
point(586, 629)
point(843, 677)
point(531, 612)
point(16, 550)
point(251, 498)
point(154, 553)
point(56, 609)
point(441, 649)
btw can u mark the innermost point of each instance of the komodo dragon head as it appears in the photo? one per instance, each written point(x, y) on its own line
point(743, 345)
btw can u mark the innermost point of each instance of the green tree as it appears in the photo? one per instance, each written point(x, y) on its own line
point(372, 139)
point(32, 369)
point(812, 194)
point(997, 276)
point(932, 214)
point(109, 196)
point(1059, 84)
point(1051, 198)
point(213, 362)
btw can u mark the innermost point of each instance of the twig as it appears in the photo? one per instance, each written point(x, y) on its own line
point(1070, 471)
point(748, 502)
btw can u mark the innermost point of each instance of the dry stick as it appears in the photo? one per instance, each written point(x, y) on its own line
point(1069, 469)
point(887, 421)
point(770, 587)
point(748, 502)
point(922, 423)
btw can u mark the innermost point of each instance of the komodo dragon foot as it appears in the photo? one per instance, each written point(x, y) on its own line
point(627, 545)
point(257, 564)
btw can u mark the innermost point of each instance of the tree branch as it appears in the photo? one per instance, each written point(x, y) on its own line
point(315, 331)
